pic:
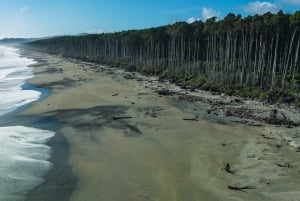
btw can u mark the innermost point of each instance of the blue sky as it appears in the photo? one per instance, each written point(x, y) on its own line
point(38, 18)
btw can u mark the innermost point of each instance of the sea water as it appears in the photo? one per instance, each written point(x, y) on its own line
point(24, 154)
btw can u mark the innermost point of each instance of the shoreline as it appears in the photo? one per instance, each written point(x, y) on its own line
point(148, 142)
point(56, 142)
point(60, 174)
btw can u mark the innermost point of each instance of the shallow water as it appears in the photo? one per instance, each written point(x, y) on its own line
point(23, 150)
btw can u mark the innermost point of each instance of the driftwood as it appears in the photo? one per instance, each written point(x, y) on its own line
point(227, 168)
point(115, 95)
point(255, 124)
point(286, 165)
point(236, 188)
point(125, 117)
point(211, 110)
point(165, 92)
point(191, 119)
point(272, 119)
point(267, 137)
point(240, 121)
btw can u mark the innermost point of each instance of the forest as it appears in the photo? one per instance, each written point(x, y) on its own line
point(255, 56)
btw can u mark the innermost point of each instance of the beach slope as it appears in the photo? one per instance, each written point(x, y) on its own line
point(128, 143)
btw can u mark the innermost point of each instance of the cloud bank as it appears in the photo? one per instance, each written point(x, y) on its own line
point(95, 31)
point(205, 14)
point(261, 7)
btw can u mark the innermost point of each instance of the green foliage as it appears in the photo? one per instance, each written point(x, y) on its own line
point(250, 92)
point(297, 103)
point(196, 81)
point(295, 19)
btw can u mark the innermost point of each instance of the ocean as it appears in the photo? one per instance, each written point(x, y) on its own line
point(24, 154)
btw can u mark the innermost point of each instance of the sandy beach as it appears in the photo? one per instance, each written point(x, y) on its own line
point(124, 141)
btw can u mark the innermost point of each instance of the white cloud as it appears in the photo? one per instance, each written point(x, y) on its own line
point(192, 19)
point(261, 7)
point(95, 31)
point(295, 2)
point(209, 13)
point(23, 9)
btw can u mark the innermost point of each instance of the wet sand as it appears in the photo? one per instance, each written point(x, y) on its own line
point(153, 154)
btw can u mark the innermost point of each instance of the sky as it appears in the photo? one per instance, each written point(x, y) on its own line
point(41, 18)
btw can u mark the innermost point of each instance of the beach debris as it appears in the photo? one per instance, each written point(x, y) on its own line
point(129, 76)
point(275, 117)
point(240, 121)
point(267, 137)
point(154, 115)
point(211, 110)
point(165, 92)
point(191, 119)
point(236, 188)
point(124, 117)
point(227, 168)
point(254, 124)
point(286, 165)
point(115, 94)
point(273, 113)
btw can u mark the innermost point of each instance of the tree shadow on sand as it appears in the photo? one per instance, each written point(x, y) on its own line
point(89, 119)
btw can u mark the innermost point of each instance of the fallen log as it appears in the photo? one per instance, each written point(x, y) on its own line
point(286, 165)
point(255, 124)
point(165, 92)
point(227, 168)
point(118, 118)
point(191, 119)
point(211, 110)
point(267, 137)
point(236, 188)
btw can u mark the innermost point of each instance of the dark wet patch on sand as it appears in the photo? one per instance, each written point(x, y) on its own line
point(66, 82)
point(98, 117)
point(50, 70)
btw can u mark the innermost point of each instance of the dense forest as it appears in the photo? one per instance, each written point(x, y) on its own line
point(255, 56)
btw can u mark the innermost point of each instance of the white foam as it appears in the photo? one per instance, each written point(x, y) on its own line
point(24, 154)
point(23, 159)
point(14, 71)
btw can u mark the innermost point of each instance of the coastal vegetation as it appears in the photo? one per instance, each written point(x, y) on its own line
point(256, 56)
